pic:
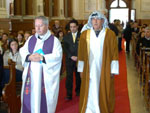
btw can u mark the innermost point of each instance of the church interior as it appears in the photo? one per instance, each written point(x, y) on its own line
point(132, 85)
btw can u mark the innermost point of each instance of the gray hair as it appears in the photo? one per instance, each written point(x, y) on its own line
point(44, 19)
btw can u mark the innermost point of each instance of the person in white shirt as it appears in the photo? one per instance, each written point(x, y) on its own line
point(13, 54)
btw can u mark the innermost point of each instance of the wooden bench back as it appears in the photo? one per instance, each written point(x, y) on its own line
point(9, 91)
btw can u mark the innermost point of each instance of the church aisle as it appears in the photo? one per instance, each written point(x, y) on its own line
point(137, 104)
point(121, 92)
point(128, 96)
point(122, 104)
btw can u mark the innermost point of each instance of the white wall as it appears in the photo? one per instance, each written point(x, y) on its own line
point(82, 8)
point(142, 9)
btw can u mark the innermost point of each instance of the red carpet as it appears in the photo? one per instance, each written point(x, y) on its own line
point(64, 106)
point(121, 93)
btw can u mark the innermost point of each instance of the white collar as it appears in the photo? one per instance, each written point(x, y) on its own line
point(75, 33)
point(45, 36)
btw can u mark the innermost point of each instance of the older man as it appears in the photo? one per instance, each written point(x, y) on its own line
point(98, 63)
point(41, 58)
point(144, 42)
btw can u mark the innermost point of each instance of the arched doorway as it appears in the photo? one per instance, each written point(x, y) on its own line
point(127, 2)
point(119, 10)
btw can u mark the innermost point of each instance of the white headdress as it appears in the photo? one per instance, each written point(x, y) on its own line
point(98, 15)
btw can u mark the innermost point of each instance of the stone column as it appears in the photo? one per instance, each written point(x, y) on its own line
point(75, 9)
point(29, 7)
point(3, 11)
point(39, 8)
point(78, 9)
point(23, 9)
point(11, 7)
point(17, 7)
point(61, 9)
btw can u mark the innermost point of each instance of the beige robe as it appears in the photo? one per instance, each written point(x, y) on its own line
point(106, 91)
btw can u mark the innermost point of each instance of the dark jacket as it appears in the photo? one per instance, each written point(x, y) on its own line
point(127, 33)
point(142, 42)
point(1, 73)
point(113, 28)
point(135, 30)
point(71, 48)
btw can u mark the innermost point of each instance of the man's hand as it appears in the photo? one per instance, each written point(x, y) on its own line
point(35, 57)
point(74, 58)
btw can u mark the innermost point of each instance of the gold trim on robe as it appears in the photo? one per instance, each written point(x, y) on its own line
point(110, 53)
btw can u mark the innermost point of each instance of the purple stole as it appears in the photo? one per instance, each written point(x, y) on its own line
point(47, 48)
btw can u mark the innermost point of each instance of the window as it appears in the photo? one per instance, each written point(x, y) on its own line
point(122, 3)
point(133, 14)
point(114, 3)
point(118, 3)
point(119, 11)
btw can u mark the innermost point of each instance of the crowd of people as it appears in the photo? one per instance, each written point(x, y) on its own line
point(83, 47)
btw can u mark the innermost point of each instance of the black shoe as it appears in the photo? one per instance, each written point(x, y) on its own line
point(68, 98)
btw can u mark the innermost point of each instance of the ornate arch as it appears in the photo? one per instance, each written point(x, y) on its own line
point(108, 3)
point(128, 2)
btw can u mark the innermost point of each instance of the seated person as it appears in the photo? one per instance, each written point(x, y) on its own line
point(1, 71)
point(60, 36)
point(141, 35)
point(3, 42)
point(20, 38)
point(56, 28)
point(13, 54)
point(144, 42)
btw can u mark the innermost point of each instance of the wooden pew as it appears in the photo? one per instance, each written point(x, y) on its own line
point(9, 91)
point(142, 67)
point(147, 82)
point(137, 58)
point(133, 44)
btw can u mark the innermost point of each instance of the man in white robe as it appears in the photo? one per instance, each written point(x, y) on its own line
point(97, 62)
point(41, 58)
